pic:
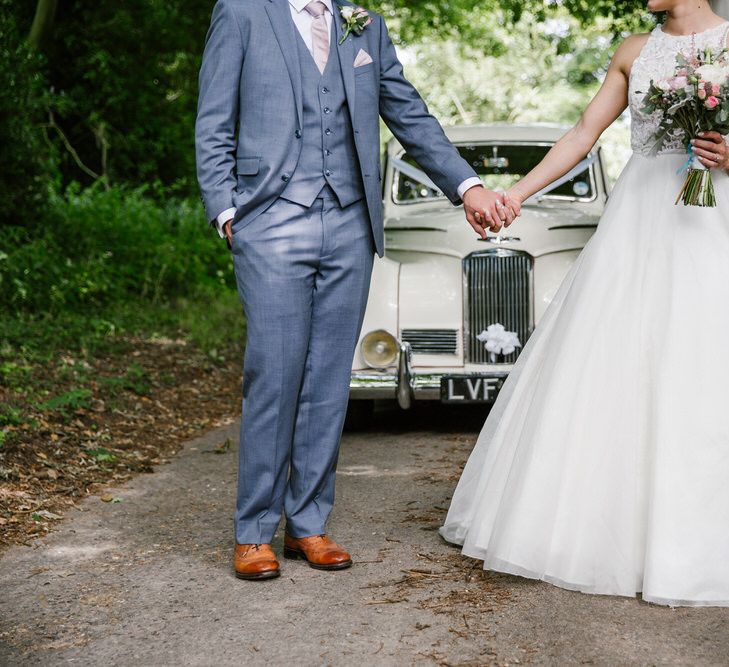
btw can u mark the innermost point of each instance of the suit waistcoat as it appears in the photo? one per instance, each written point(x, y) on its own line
point(328, 154)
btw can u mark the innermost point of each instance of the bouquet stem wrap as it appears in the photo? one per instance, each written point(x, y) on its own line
point(698, 188)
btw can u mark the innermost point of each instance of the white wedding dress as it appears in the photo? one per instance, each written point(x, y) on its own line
point(604, 465)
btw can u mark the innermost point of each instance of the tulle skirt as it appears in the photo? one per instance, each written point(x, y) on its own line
point(604, 465)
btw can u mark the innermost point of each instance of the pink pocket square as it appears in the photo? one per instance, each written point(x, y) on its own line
point(363, 58)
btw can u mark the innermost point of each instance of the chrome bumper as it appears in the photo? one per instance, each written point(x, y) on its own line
point(389, 384)
point(405, 386)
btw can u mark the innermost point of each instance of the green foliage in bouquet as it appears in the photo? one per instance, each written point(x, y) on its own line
point(694, 99)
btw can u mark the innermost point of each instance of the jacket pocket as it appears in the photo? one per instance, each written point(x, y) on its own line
point(364, 69)
point(247, 166)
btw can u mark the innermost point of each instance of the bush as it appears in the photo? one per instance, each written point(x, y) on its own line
point(99, 247)
point(104, 262)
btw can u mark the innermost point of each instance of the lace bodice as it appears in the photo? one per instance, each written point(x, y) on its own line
point(656, 61)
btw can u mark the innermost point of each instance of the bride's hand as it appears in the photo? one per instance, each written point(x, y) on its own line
point(712, 150)
point(513, 202)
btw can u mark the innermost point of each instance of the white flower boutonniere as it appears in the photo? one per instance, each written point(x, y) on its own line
point(356, 20)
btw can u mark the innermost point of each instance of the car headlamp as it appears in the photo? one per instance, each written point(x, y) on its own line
point(379, 349)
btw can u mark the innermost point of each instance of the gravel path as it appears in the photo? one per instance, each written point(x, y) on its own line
point(147, 580)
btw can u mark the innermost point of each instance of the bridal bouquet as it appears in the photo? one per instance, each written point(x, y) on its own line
point(694, 99)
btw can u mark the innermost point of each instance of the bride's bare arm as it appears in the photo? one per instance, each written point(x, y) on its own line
point(609, 102)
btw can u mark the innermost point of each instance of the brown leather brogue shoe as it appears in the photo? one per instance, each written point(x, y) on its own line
point(255, 561)
point(319, 551)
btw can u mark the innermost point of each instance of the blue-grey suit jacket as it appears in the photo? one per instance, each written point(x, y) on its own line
point(248, 130)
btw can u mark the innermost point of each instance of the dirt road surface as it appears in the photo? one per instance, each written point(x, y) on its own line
point(146, 578)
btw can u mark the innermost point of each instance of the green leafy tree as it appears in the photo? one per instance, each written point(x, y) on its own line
point(22, 110)
point(123, 75)
point(467, 19)
point(461, 84)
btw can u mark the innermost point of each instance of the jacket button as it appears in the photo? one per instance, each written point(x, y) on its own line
point(285, 178)
point(298, 134)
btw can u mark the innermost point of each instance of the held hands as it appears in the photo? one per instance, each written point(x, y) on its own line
point(489, 210)
point(711, 150)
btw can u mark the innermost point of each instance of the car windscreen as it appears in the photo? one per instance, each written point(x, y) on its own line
point(499, 166)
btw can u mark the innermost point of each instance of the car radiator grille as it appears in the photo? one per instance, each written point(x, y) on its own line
point(498, 291)
point(431, 341)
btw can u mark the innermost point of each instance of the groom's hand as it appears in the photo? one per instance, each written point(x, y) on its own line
point(228, 229)
point(485, 210)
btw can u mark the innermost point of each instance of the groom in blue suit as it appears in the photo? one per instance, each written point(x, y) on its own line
point(288, 157)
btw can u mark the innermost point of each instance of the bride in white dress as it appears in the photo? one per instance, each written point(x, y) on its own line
point(604, 465)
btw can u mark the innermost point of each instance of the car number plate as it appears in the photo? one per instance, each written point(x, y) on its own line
point(473, 389)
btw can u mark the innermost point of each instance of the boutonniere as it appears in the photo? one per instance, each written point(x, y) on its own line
point(356, 20)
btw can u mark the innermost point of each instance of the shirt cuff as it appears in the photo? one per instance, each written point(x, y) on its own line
point(224, 217)
point(468, 184)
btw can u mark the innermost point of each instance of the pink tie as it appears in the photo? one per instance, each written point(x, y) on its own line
point(319, 33)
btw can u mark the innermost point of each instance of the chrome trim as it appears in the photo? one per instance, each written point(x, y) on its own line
point(498, 240)
point(405, 393)
point(424, 387)
point(581, 226)
point(493, 291)
point(431, 341)
point(365, 385)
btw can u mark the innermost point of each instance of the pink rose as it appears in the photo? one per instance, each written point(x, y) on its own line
point(702, 94)
point(678, 82)
point(711, 102)
point(715, 88)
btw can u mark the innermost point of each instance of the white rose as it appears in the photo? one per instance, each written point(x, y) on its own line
point(715, 73)
point(347, 13)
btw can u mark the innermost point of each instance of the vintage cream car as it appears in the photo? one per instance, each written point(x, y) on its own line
point(441, 294)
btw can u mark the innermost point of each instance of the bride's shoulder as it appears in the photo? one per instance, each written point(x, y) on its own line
point(629, 49)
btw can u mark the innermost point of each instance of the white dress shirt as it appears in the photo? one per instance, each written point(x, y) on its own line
point(302, 21)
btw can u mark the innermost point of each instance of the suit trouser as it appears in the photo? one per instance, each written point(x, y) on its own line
point(303, 276)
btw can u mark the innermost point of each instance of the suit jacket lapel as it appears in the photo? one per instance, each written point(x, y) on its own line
point(284, 29)
point(346, 58)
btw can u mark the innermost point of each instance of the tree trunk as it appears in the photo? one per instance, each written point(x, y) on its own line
point(45, 14)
